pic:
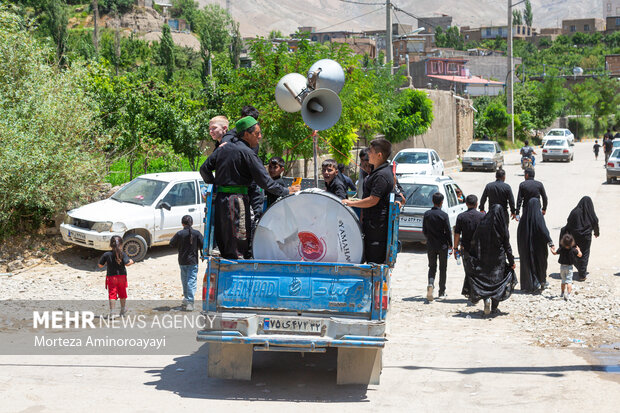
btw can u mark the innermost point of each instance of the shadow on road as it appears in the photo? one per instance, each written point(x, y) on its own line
point(555, 276)
point(414, 247)
point(86, 259)
point(422, 299)
point(550, 371)
point(275, 377)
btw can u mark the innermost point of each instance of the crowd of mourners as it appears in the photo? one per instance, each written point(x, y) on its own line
point(482, 241)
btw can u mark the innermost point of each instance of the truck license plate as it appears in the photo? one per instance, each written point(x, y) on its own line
point(408, 220)
point(77, 235)
point(292, 325)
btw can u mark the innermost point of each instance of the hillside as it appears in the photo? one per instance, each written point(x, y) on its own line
point(259, 17)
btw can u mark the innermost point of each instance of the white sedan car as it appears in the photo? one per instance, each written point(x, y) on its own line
point(418, 161)
point(558, 149)
point(559, 133)
point(145, 212)
point(612, 168)
point(418, 191)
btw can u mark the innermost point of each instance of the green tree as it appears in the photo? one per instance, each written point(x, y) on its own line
point(275, 34)
point(212, 25)
point(452, 38)
point(56, 23)
point(166, 52)
point(517, 18)
point(413, 116)
point(187, 10)
point(235, 46)
point(50, 146)
point(528, 16)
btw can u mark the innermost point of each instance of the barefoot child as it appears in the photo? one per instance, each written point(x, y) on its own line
point(116, 278)
point(568, 253)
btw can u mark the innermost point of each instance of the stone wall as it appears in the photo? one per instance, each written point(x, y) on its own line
point(451, 131)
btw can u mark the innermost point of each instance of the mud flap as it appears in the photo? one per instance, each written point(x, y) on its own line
point(230, 361)
point(359, 365)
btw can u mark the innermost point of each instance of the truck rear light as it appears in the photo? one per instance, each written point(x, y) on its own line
point(229, 324)
point(381, 301)
point(212, 286)
point(565, 151)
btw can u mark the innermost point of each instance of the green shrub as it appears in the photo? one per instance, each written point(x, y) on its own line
point(49, 152)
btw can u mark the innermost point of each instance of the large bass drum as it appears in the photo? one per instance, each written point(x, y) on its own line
point(311, 225)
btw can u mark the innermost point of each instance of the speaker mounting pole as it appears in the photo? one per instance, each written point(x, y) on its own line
point(315, 150)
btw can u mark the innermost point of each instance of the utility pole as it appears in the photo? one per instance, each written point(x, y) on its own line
point(388, 34)
point(228, 6)
point(510, 83)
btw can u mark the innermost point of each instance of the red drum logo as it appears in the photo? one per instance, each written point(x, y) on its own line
point(311, 247)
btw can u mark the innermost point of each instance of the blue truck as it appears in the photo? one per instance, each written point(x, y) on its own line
point(290, 306)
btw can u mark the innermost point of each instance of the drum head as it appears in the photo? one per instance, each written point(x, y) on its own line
point(312, 225)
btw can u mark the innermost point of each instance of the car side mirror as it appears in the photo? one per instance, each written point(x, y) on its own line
point(164, 205)
point(464, 150)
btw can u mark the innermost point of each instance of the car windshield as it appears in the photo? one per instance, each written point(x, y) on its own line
point(140, 191)
point(419, 195)
point(616, 144)
point(481, 147)
point(412, 157)
point(556, 133)
point(616, 153)
point(555, 142)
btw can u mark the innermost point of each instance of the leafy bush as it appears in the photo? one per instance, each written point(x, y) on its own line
point(49, 151)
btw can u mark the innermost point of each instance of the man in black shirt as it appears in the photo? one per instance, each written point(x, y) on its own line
point(236, 166)
point(376, 201)
point(466, 224)
point(333, 181)
point(436, 229)
point(276, 169)
point(499, 192)
point(345, 178)
point(529, 189)
point(608, 145)
point(188, 242)
point(255, 193)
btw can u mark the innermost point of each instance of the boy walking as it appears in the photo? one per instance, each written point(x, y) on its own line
point(596, 148)
point(568, 252)
point(436, 229)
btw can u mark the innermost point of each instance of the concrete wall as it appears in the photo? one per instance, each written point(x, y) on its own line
point(442, 135)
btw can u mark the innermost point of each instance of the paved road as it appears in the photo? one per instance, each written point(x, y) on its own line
point(440, 357)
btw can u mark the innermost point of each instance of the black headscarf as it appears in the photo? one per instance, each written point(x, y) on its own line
point(582, 220)
point(491, 276)
point(532, 240)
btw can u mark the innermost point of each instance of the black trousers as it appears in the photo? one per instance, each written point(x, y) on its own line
point(582, 263)
point(433, 256)
point(233, 225)
point(375, 251)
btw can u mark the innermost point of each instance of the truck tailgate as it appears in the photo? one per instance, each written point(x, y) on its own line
point(321, 288)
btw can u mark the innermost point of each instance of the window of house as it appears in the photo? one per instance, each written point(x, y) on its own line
point(528, 31)
point(452, 68)
point(435, 67)
point(314, 38)
point(518, 29)
point(488, 31)
point(573, 28)
point(326, 38)
point(617, 21)
point(499, 32)
point(586, 27)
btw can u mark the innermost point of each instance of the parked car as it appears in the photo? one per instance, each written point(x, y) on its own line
point(613, 166)
point(419, 192)
point(616, 143)
point(558, 133)
point(418, 161)
point(558, 149)
point(145, 212)
point(483, 155)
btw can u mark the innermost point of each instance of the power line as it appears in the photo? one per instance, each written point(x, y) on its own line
point(365, 4)
point(357, 17)
point(419, 19)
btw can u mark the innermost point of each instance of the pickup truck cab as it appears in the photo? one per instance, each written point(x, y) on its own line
point(296, 306)
point(145, 212)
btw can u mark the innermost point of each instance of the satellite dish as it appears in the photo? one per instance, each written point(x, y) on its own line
point(326, 73)
point(321, 109)
point(289, 92)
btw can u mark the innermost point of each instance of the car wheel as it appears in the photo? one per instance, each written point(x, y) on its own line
point(135, 247)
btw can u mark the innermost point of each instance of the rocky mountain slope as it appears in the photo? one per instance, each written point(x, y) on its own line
point(259, 17)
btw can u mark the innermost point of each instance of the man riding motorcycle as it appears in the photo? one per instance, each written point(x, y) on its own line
point(527, 152)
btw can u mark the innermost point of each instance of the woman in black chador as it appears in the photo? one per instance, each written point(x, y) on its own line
point(492, 277)
point(532, 240)
point(581, 222)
